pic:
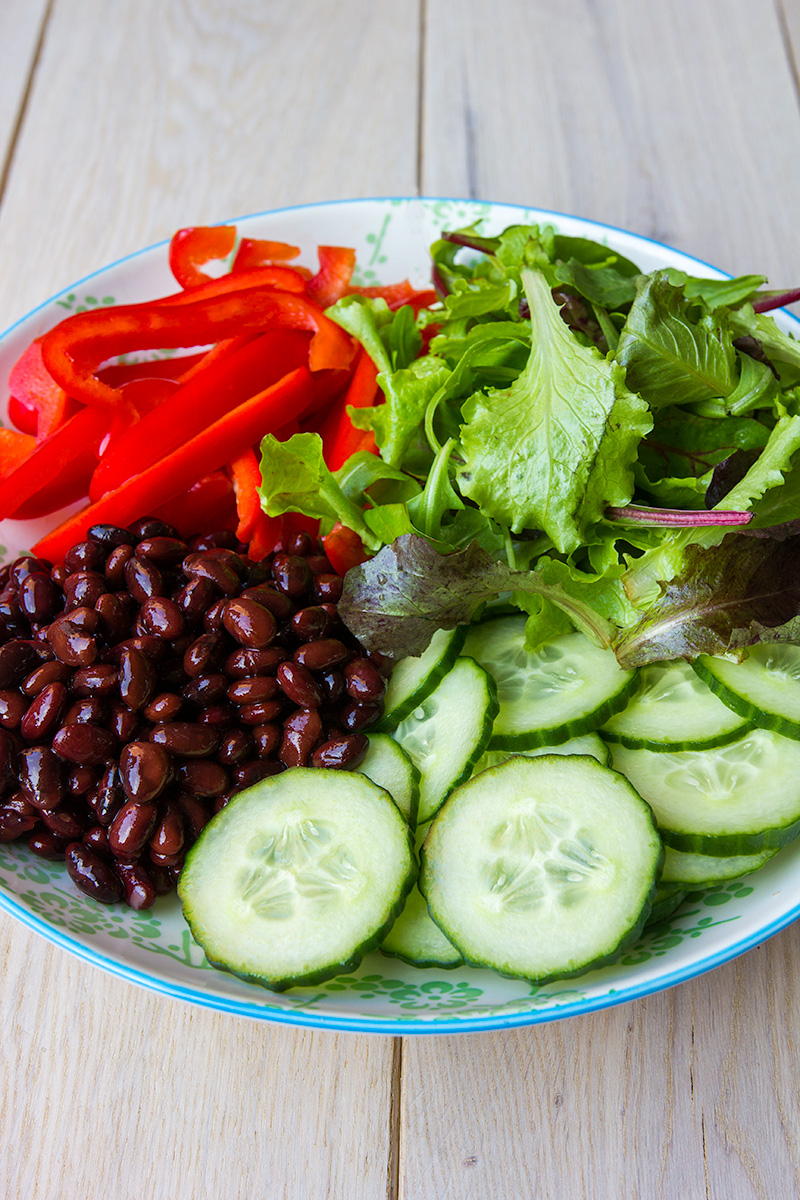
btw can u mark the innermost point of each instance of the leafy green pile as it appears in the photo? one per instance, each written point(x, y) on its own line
point(567, 430)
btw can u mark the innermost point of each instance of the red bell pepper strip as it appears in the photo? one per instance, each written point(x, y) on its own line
point(79, 435)
point(336, 264)
point(246, 477)
point(207, 505)
point(34, 389)
point(340, 438)
point(206, 452)
point(190, 249)
point(266, 535)
point(283, 279)
point(74, 350)
point(397, 294)
point(209, 394)
point(118, 374)
point(257, 252)
point(15, 448)
point(343, 548)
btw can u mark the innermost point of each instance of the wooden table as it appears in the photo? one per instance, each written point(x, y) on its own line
point(121, 121)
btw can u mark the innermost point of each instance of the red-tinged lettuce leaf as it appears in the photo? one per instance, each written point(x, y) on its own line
point(726, 597)
point(395, 602)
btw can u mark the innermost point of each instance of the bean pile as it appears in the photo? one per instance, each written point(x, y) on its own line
point(145, 680)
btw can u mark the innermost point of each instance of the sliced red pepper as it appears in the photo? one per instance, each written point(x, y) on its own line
point(34, 390)
point(266, 535)
point(194, 247)
point(209, 394)
point(344, 549)
point(283, 279)
point(15, 448)
point(226, 346)
point(177, 367)
point(397, 294)
point(207, 505)
point(74, 350)
point(78, 436)
point(246, 477)
point(336, 265)
point(206, 452)
point(340, 438)
point(257, 252)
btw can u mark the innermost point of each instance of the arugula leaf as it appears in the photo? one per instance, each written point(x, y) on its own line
point(671, 355)
point(737, 594)
point(295, 478)
point(552, 450)
point(395, 602)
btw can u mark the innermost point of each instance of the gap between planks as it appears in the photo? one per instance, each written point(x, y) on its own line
point(395, 1121)
point(5, 167)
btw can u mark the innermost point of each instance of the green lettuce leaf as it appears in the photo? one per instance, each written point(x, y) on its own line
point(554, 450)
point(671, 354)
point(408, 393)
point(295, 478)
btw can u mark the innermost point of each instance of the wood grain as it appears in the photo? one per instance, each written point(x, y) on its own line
point(678, 121)
point(21, 23)
point(149, 116)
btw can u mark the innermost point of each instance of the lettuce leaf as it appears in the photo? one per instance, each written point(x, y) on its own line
point(552, 451)
point(395, 602)
point(726, 597)
point(675, 351)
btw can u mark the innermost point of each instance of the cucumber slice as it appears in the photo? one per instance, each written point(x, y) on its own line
point(418, 940)
point(764, 688)
point(736, 799)
point(413, 679)
point(566, 688)
point(296, 878)
point(446, 735)
point(704, 870)
point(590, 743)
point(672, 709)
point(667, 901)
point(542, 867)
point(387, 764)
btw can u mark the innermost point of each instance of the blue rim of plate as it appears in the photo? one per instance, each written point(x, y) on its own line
point(380, 1025)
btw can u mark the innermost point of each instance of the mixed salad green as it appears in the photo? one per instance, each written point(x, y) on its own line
point(618, 451)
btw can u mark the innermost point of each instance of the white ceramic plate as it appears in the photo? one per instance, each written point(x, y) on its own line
point(154, 948)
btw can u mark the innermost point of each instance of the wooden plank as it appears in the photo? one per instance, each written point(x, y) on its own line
point(108, 1090)
point(21, 23)
point(147, 117)
point(142, 118)
point(692, 1093)
point(680, 122)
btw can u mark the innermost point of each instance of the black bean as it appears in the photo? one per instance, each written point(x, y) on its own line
point(115, 565)
point(84, 744)
point(129, 831)
point(322, 654)
point(163, 551)
point(236, 746)
point(41, 777)
point(91, 875)
point(17, 659)
point(71, 643)
point(301, 732)
point(205, 654)
point(49, 672)
point(139, 888)
point(185, 739)
point(249, 623)
point(363, 679)
point(201, 777)
point(83, 588)
point(43, 713)
point(162, 617)
point(200, 566)
point(244, 663)
point(38, 597)
point(341, 753)
point(13, 707)
point(311, 623)
point(111, 536)
point(98, 680)
point(163, 707)
point(144, 771)
point(292, 575)
point(137, 678)
point(143, 579)
point(253, 772)
point(355, 717)
point(298, 685)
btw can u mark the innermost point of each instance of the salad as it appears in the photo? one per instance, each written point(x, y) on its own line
point(561, 495)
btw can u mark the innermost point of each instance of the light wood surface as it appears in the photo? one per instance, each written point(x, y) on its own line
point(118, 123)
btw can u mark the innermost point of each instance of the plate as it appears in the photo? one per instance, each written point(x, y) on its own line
point(154, 948)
